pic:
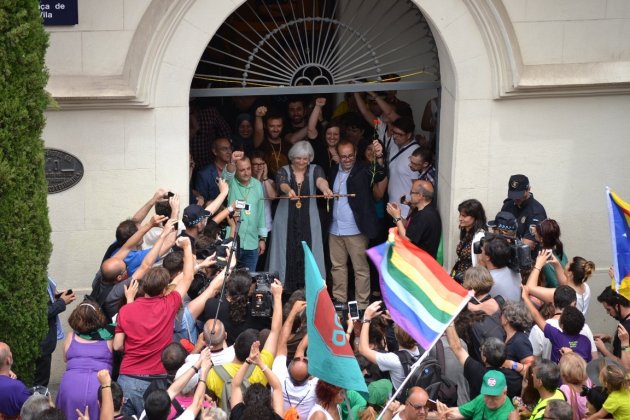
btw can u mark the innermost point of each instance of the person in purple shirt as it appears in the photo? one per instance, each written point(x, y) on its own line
point(14, 392)
point(566, 339)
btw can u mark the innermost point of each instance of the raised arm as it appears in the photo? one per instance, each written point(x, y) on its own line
point(536, 316)
point(389, 110)
point(136, 238)
point(200, 391)
point(285, 333)
point(188, 272)
point(311, 132)
point(371, 312)
point(107, 401)
point(456, 347)
point(543, 293)
point(197, 305)
point(146, 207)
point(237, 381)
point(363, 109)
point(217, 202)
point(151, 257)
point(271, 344)
point(201, 366)
point(259, 126)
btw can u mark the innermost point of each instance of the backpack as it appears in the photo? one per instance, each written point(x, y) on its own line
point(430, 376)
point(227, 385)
point(488, 326)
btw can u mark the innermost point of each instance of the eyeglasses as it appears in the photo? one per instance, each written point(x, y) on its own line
point(418, 407)
point(398, 133)
point(258, 164)
point(346, 157)
point(414, 192)
point(300, 359)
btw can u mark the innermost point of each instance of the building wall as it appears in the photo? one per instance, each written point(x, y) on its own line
point(529, 86)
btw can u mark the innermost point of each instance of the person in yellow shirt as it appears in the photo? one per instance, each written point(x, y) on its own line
point(242, 346)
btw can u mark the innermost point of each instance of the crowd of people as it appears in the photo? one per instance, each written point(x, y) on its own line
point(201, 314)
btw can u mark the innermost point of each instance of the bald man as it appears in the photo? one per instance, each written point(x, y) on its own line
point(423, 225)
point(215, 336)
point(298, 387)
point(14, 392)
point(415, 405)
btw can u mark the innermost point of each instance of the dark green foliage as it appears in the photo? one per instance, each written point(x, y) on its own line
point(24, 228)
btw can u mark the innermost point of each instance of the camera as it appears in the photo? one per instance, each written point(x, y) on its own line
point(262, 300)
point(520, 254)
point(220, 248)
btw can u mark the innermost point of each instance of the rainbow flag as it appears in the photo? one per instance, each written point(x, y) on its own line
point(420, 295)
point(619, 216)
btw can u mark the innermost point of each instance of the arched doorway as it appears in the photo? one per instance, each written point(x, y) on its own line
point(173, 36)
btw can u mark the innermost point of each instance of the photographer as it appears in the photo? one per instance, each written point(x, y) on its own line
point(234, 307)
point(495, 256)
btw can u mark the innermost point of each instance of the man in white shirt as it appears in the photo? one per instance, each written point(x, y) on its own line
point(298, 387)
point(386, 362)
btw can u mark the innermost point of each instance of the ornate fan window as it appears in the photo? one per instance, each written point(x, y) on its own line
point(316, 46)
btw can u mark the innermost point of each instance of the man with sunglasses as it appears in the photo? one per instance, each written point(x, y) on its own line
point(353, 221)
point(415, 406)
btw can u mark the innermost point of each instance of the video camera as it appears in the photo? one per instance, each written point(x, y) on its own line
point(520, 253)
point(262, 300)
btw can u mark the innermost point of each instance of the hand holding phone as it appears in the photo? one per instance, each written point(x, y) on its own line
point(353, 309)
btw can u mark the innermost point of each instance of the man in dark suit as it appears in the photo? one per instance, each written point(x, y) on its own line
point(353, 221)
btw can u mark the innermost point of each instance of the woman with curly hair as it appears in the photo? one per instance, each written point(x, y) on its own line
point(234, 308)
point(515, 320)
point(472, 225)
point(87, 349)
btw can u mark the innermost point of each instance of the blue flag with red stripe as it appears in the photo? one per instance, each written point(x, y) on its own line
point(329, 353)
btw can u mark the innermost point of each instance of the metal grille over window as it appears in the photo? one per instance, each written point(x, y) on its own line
point(308, 43)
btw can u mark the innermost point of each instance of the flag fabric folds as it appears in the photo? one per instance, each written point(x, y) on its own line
point(619, 216)
point(420, 295)
point(329, 353)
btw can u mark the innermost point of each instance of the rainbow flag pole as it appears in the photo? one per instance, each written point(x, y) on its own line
point(419, 361)
point(420, 295)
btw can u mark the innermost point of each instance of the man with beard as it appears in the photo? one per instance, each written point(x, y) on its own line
point(268, 139)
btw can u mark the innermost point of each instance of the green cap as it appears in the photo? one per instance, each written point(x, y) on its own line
point(493, 383)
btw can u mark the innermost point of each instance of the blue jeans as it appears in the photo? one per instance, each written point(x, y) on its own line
point(248, 259)
point(133, 391)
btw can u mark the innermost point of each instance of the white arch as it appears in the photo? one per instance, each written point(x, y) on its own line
point(172, 36)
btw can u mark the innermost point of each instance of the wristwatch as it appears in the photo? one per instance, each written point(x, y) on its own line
point(397, 219)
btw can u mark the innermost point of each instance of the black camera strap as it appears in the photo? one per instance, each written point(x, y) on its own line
point(228, 271)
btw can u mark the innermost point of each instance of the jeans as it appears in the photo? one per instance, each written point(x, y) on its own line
point(133, 390)
point(248, 259)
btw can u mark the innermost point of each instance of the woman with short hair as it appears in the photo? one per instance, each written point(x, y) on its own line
point(87, 349)
point(297, 219)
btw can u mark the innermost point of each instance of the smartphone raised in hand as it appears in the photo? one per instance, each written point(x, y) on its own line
point(353, 309)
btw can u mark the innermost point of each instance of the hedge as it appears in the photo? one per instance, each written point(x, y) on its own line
point(24, 227)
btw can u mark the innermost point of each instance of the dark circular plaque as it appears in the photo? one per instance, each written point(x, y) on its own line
point(63, 170)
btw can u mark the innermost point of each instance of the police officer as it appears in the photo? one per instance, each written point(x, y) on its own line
point(525, 208)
